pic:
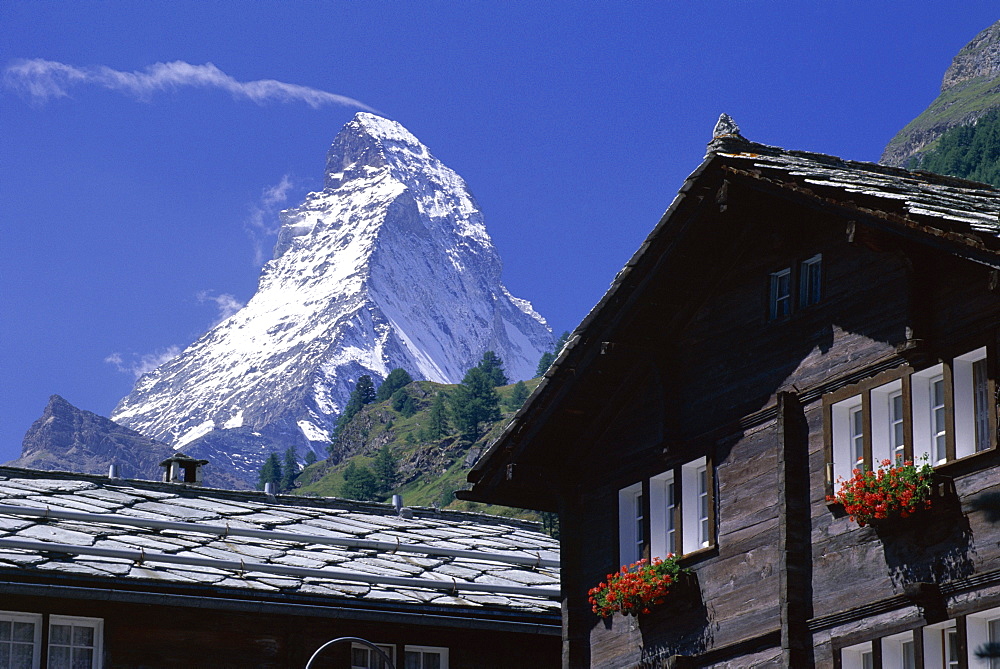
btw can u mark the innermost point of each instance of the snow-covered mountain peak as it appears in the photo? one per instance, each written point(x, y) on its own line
point(390, 265)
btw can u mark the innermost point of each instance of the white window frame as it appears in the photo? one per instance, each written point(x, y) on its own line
point(884, 423)
point(971, 403)
point(780, 302)
point(935, 645)
point(440, 650)
point(696, 499)
point(811, 280)
point(36, 620)
point(894, 651)
point(858, 656)
point(630, 513)
point(97, 624)
point(977, 631)
point(841, 415)
point(663, 503)
point(924, 432)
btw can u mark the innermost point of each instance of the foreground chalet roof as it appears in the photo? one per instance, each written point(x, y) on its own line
point(174, 543)
point(951, 215)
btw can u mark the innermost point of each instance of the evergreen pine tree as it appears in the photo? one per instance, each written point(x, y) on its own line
point(359, 483)
point(289, 470)
point(270, 472)
point(437, 418)
point(517, 396)
point(386, 470)
point(310, 457)
point(492, 366)
point(363, 393)
point(474, 401)
point(545, 362)
point(550, 356)
point(403, 402)
point(397, 379)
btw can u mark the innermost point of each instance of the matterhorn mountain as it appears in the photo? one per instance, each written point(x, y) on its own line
point(390, 265)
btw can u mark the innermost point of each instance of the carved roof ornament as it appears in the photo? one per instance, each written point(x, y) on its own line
point(725, 126)
point(726, 137)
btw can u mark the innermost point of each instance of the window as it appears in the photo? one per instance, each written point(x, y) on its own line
point(20, 639)
point(946, 411)
point(781, 293)
point(859, 656)
point(982, 628)
point(809, 280)
point(631, 516)
point(782, 283)
point(941, 645)
point(899, 652)
point(75, 643)
point(679, 510)
point(848, 437)
point(972, 403)
point(363, 657)
point(425, 657)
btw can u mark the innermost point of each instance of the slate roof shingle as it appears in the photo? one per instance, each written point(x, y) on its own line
point(293, 535)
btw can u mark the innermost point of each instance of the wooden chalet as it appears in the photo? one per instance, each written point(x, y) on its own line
point(792, 316)
point(99, 572)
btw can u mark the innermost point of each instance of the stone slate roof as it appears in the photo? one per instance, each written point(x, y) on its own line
point(937, 205)
point(234, 565)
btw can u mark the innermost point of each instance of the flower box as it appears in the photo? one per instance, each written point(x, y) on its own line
point(889, 493)
point(637, 588)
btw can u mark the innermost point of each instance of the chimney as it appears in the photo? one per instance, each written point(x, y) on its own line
point(184, 469)
point(113, 471)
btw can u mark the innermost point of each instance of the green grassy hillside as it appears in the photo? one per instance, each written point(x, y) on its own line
point(430, 471)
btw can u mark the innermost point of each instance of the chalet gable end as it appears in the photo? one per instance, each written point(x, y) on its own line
point(791, 316)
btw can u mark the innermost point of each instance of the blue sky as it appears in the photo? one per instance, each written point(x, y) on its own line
point(135, 212)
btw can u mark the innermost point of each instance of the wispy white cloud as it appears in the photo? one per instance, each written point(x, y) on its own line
point(137, 365)
point(42, 80)
point(226, 304)
point(263, 223)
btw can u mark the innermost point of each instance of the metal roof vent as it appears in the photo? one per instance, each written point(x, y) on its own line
point(180, 468)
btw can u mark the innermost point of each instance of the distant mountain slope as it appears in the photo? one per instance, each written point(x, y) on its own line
point(66, 438)
point(430, 471)
point(970, 89)
point(967, 151)
point(390, 265)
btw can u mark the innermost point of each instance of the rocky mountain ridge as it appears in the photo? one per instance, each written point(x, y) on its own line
point(970, 88)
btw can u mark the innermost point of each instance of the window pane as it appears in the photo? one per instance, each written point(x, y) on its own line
point(909, 657)
point(951, 648)
point(83, 636)
point(83, 658)
point(671, 519)
point(867, 661)
point(938, 430)
point(23, 632)
point(60, 634)
point(5, 630)
point(981, 404)
point(993, 630)
point(432, 661)
point(59, 657)
point(809, 282)
point(781, 298)
point(703, 506)
point(359, 657)
point(858, 438)
point(21, 657)
point(412, 660)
